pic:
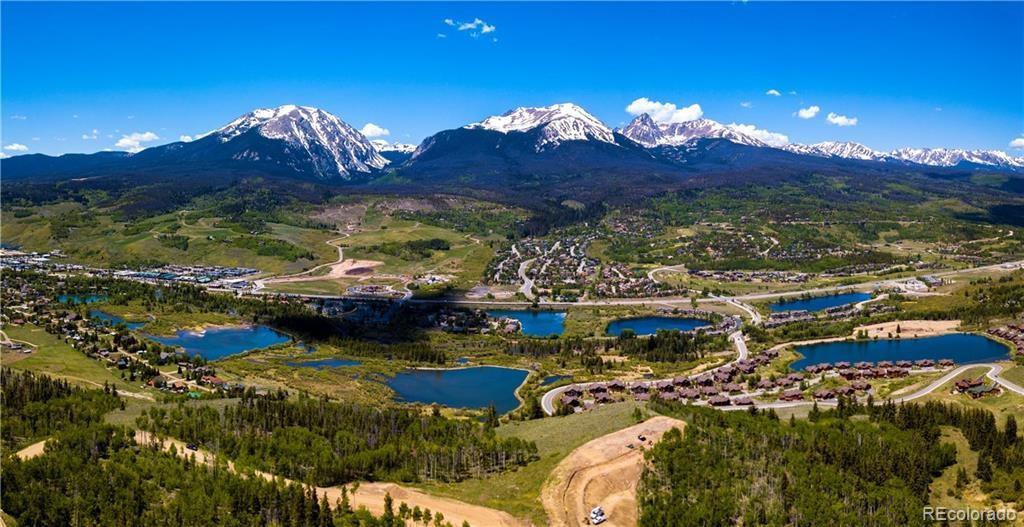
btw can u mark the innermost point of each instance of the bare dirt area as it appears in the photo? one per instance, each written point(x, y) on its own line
point(912, 328)
point(603, 472)
point(371, 495)
point(31, 451)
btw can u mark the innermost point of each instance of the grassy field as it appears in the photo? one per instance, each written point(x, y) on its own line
point(519, 492)
point(166, 321)
point(465, 260)
point(95, 237)
point(54, 357)
point(943, 491)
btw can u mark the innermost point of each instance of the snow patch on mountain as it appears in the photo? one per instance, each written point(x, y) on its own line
point(557, 123)
point(947, 157)
point(645, 131)
point(384, 146)
point(840, 149)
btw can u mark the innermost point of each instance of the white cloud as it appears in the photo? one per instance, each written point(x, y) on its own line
point(87, 136)
point(16, 147)
point(4, 155)
point(841, 120)
point(133, 141)
point(792, 92)
point(476, 27)
point(773, 92)
point(373, 130)
point(664, 112)
point(18, 117)
point(747, 104)
point(809, 112)
point(442, 35)
point(185, 138)
point(1018, 143)
point(771, 138)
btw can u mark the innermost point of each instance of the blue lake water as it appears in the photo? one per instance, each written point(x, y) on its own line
point(474, 387)
point(113, 320)
point(217, 343)
point(325, 363)
point(819, 303)
point(961, 348)
point(535, 323)
point(650, 325)
point(81, 299)
point(552, 379)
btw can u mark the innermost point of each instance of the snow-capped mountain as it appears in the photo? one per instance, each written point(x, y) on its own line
point(557, 124)
point(649, 133)
point(947, 157)
point(316, 141)
point(383, 146)
point(840, 149)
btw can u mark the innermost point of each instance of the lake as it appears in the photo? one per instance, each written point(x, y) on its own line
point(324, 363)
point(219, 342)
point(961, 348)
point(643, 326)
point(474, 387)
point(79, 299)
point(534, 323)
point(819, 303)
point(113, 320)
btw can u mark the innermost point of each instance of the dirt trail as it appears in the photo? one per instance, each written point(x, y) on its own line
point(371, 495)
point(603, 472)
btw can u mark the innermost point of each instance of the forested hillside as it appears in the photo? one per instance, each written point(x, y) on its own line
point(330, 443)
point(730, 468)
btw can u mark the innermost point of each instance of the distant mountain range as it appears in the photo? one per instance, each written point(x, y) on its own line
point(558, 142)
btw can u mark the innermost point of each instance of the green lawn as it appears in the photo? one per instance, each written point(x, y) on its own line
point(56, 358)
point(518, 492)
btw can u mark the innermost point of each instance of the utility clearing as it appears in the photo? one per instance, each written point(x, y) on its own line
point(605, 473)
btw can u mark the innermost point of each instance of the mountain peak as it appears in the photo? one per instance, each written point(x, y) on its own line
point(558, 123)
point(645, 131)
point(330, 145)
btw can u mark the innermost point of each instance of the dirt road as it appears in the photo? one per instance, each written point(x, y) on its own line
point(603, 472)
point(371, 495)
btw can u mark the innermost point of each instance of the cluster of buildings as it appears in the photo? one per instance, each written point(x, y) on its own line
point(208, 275)
point(1012, 333)
point(619, 281)
point(722, 387)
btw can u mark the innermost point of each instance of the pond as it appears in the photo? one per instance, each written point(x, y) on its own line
point(819, 303)
point(113, 320)
point(644, 326)
point(474, 387)
point(324, 363)
point(219, 342)
point(552, 379)
point(80, 299)
point(961, 348)
point(534, 323)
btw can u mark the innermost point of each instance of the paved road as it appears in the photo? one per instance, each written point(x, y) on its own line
point(547, 401)
point(527, 288)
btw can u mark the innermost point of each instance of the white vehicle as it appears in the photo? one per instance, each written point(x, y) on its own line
point(597, 516)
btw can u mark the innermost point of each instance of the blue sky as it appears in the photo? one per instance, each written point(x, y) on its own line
point(86, 77)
